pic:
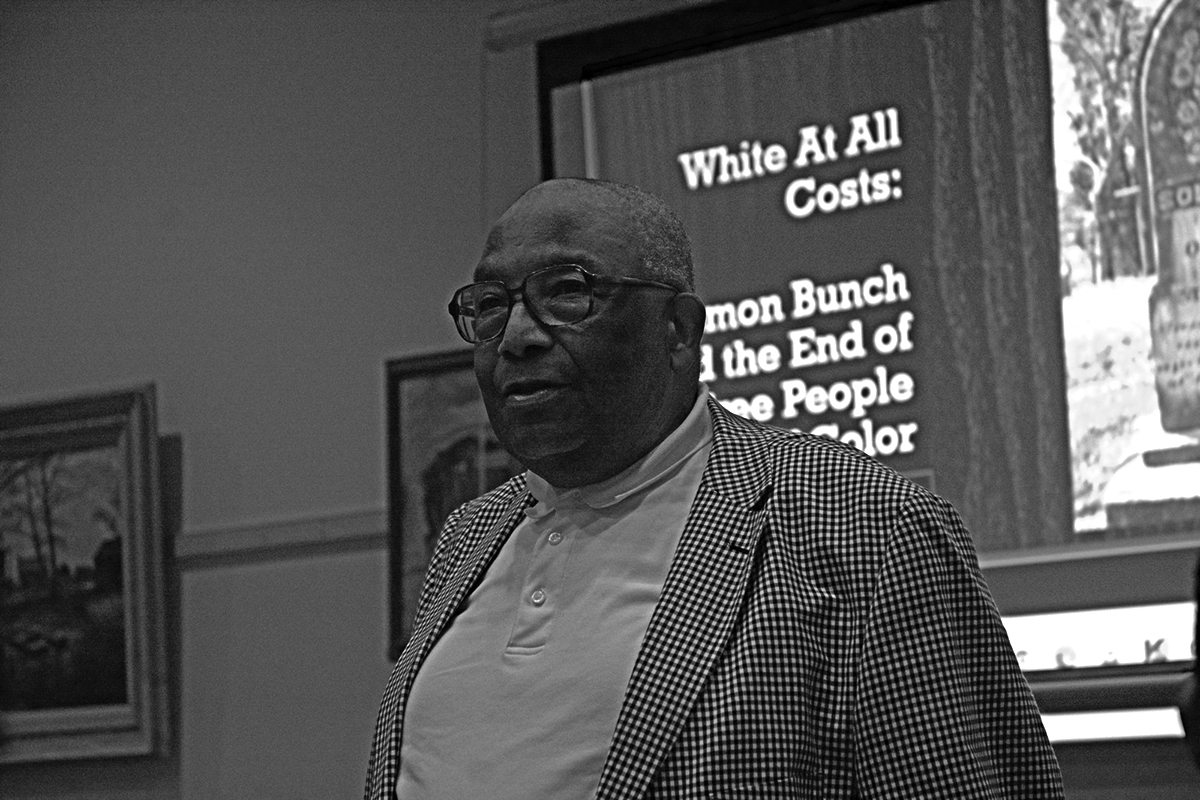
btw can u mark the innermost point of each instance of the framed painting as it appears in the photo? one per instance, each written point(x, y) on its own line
point(82, 645)
point(441, 452)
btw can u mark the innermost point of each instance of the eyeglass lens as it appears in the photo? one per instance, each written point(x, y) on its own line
point(556, 296)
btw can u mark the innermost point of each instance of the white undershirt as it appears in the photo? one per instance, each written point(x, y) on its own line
point(520, 696)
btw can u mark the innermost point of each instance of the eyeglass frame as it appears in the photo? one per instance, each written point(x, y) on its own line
point(518, 293)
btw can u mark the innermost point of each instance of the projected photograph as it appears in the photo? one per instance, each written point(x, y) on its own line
point(1126, 85)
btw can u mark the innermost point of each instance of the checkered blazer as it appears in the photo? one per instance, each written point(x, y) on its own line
point(824, 632)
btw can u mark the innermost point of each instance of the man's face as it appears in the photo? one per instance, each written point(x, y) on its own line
point(576, 403)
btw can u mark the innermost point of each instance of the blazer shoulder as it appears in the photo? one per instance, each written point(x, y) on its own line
point(476, 514)
point(817, 463)
point(843, 512)
point(488, 505)
point(824, 488)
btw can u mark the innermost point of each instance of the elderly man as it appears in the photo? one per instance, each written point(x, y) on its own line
point(674, 602)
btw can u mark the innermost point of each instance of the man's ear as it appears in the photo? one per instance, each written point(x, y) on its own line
point(687, 323)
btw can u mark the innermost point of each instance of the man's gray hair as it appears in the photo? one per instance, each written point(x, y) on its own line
point(666, 250)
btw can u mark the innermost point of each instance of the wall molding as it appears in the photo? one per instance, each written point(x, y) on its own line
point(326, 534)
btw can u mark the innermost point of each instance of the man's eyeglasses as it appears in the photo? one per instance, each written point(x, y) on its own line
point(557, 295)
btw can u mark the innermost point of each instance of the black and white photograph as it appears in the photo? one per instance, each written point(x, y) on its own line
point(673, 399)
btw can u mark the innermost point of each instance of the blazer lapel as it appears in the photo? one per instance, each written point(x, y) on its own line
point(451, 595)
point(463, 580)
point(695, 614)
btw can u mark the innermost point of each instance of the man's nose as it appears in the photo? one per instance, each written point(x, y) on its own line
point(523, 333)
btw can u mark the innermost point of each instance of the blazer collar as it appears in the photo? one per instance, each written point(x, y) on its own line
point(739, 467)
point(465, 576)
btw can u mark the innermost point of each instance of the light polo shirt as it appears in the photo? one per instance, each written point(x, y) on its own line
point(519, 697)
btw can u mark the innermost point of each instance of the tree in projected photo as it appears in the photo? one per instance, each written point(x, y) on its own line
point(1102, 41)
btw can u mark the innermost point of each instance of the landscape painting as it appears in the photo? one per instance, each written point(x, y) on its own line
point(81, 641)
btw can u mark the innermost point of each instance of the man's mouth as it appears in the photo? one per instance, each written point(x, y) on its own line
point(521, 391)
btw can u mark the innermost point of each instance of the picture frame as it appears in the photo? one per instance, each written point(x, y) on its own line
point(83, 651)
point(441, 452)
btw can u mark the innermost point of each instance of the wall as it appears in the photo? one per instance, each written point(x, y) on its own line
point(254, 205)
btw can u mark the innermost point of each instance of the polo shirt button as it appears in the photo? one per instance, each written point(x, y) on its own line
point(538, 597)
point(555, 537)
